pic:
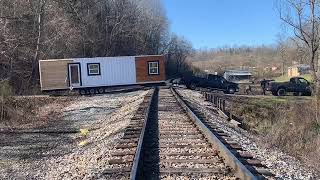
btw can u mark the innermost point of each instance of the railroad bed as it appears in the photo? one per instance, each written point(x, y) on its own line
point(180, 150)
point(166, 140)
point(127, 152)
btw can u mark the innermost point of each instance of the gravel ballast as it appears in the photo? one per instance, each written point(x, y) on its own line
point(282, 165)
point(60, 156)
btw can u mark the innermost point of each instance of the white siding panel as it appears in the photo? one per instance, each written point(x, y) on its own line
point(114, 71)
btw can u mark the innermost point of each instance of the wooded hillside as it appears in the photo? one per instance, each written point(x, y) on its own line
point(42, 29)
point(259, 59)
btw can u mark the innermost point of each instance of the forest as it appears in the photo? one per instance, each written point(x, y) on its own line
point(41, 29)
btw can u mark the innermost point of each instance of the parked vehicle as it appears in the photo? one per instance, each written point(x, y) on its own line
point(211, 81)
point(297, 85)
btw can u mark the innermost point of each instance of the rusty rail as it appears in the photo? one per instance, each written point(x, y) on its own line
point(241, 170)
point(136, 161)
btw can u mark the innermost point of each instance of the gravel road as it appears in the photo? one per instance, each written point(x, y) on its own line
point(279, 163)
point(59, 156)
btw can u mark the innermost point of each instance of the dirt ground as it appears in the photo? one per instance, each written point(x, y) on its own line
point(33, 112)
point(48, 145)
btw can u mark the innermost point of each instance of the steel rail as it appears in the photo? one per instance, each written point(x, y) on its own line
point(136, 161)
point(241, 171)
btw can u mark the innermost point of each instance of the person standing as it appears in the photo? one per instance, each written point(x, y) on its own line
point(248, 90)
point(263, 86)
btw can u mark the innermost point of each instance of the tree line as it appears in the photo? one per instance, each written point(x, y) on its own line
point(258, 59)
point(42, 29)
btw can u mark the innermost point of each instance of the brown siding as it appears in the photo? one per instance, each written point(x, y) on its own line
point(54, 74)
point(142, 74)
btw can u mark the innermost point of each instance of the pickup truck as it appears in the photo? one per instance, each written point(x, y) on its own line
point(297, 85)
point(215, 82)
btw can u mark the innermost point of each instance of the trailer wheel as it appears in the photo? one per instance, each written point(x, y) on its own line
point(92, 91)
point(101, 90)
point(281, 92)
point(83, 92)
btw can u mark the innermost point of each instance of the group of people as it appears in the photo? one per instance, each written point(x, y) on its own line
point(263, 84)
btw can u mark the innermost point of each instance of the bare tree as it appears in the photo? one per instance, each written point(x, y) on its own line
point(39, 16)
point(178, 51)
point(41, 29)
point(302, 17)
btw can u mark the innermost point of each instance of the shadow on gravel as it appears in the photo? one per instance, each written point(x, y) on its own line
point(58, 137)
point(27, 151)
point(149, 169)
point(33, 146)
point(75, 119)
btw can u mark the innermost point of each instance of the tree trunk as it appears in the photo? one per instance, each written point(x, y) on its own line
point(34, 72)
point(316, 83)
point(317, 96)
point(312, 67)
point(2, 108)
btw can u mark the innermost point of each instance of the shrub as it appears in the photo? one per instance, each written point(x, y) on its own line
point(5, 93)
point(297, 131)
point(5, 89)
point(291, 126)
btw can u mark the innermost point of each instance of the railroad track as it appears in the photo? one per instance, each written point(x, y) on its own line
point(125, 157)
point(167, 140)
point(175, 147)
point(226, 143)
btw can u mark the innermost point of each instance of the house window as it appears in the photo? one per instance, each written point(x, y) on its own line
point(153, 67)
point(93, 69)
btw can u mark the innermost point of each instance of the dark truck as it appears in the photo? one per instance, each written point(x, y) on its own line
point(296, 85)
point(215, 82)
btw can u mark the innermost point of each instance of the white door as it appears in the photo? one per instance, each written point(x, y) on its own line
point(74, 75)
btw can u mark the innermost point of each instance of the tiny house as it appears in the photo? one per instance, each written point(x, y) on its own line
point(95, 74)
point(298, 70)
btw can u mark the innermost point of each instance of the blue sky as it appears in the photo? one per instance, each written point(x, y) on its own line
point(215, 23)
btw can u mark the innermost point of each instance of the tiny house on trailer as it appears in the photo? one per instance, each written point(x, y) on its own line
point(92, 75)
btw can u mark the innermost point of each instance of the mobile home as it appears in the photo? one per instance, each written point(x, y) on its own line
point(95, 74)
point(238, 76)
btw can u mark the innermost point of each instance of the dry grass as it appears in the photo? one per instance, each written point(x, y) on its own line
point(31, 112)
point(287, 125)
point(297, 131)
point(286, 78)
point(221, 63)
point(257, 119)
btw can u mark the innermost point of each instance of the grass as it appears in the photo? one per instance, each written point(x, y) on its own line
point(288, 123)
point(286, 78)
point(289, 98)
point(271, 101)
point(5, 163)
point(274, 101)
